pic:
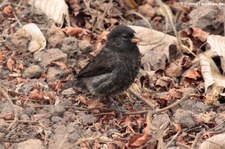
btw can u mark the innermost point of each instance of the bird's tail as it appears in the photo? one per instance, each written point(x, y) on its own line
point(73, 83)
point(69, 84)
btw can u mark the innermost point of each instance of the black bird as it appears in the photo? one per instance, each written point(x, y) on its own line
point(116, 66)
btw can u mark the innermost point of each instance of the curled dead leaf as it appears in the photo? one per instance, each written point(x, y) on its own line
point(61, 65)
point(10, 64)
point(72, 31)
point(35, 94)
point(54, 9)
point(173, 70)
point(215, 142)
point(38, 41)
point(7, 10)
point(192, 74)
point(139, 140)
point(2, 57)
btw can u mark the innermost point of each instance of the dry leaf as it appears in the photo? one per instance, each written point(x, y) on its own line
point(54, 9)
point(7, 10)
point(212, 78)
point(177, 127)
point(131, 3)
point(2, 57)
point(140, 140)
point(154, 47)
point(215, 142)
point(210, 72)
point(164, 82)
point(73, 31)
point(10, 64)
point(38, 41)
point(199, 34)
point(192, 74)
point(152, 39)
point(35, 94)
point(146, 10)
point(217, 45)
point(165, 11)
point(61, 65)
point(173, 70)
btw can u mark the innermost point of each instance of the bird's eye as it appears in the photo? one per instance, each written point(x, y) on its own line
point(124, 36)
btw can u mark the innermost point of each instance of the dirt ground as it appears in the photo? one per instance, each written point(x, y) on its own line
point(171, 105)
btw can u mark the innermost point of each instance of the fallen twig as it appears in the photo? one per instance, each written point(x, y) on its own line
point(5, 94)
point(142, 98)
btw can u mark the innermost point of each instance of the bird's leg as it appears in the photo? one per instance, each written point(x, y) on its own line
point(117, 106)
point(120, 111)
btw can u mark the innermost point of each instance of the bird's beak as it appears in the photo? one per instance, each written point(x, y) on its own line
point(136, 40)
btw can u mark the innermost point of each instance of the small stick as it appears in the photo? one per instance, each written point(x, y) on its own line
point(5, 94)
point(142, 98)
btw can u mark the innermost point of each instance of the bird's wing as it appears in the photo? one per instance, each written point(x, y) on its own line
point(101, 64)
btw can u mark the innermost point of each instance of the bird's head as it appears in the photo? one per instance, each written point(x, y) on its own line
point(122, 37)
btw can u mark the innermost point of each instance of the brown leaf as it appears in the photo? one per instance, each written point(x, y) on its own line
point(192, 74)
point(2, 57)
point(72, 31)
point(146, 10)
point(35, 94)
point(173, 70)
point(96, 145)
point(164, 82)
point(82, 99)
point(61, 65)
point(7, 10)
point(94, 104)
point(177, 127)
point(194, 37)
point(215, 142)
point(131, 3)
point(138, 140)
point(10, 64)
point(199, 34)
point(175, 94)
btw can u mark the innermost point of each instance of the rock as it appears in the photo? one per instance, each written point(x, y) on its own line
point(184, 118)
point(18, 41)
point(59, 135)
point(73, 45)
point(87, 119)
point(53, 74)
point(85, 45)
point(68, 92)
point(214, 142)
point(210, 18)
point(33, 71)
point(48, 56)
point(55, 37)
point(24, 117)
point(55, 110)
point(56, 119)
point(161, 120)
point(6, 112)
point(70, 45)
point(195, 106)
point(31, 143)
